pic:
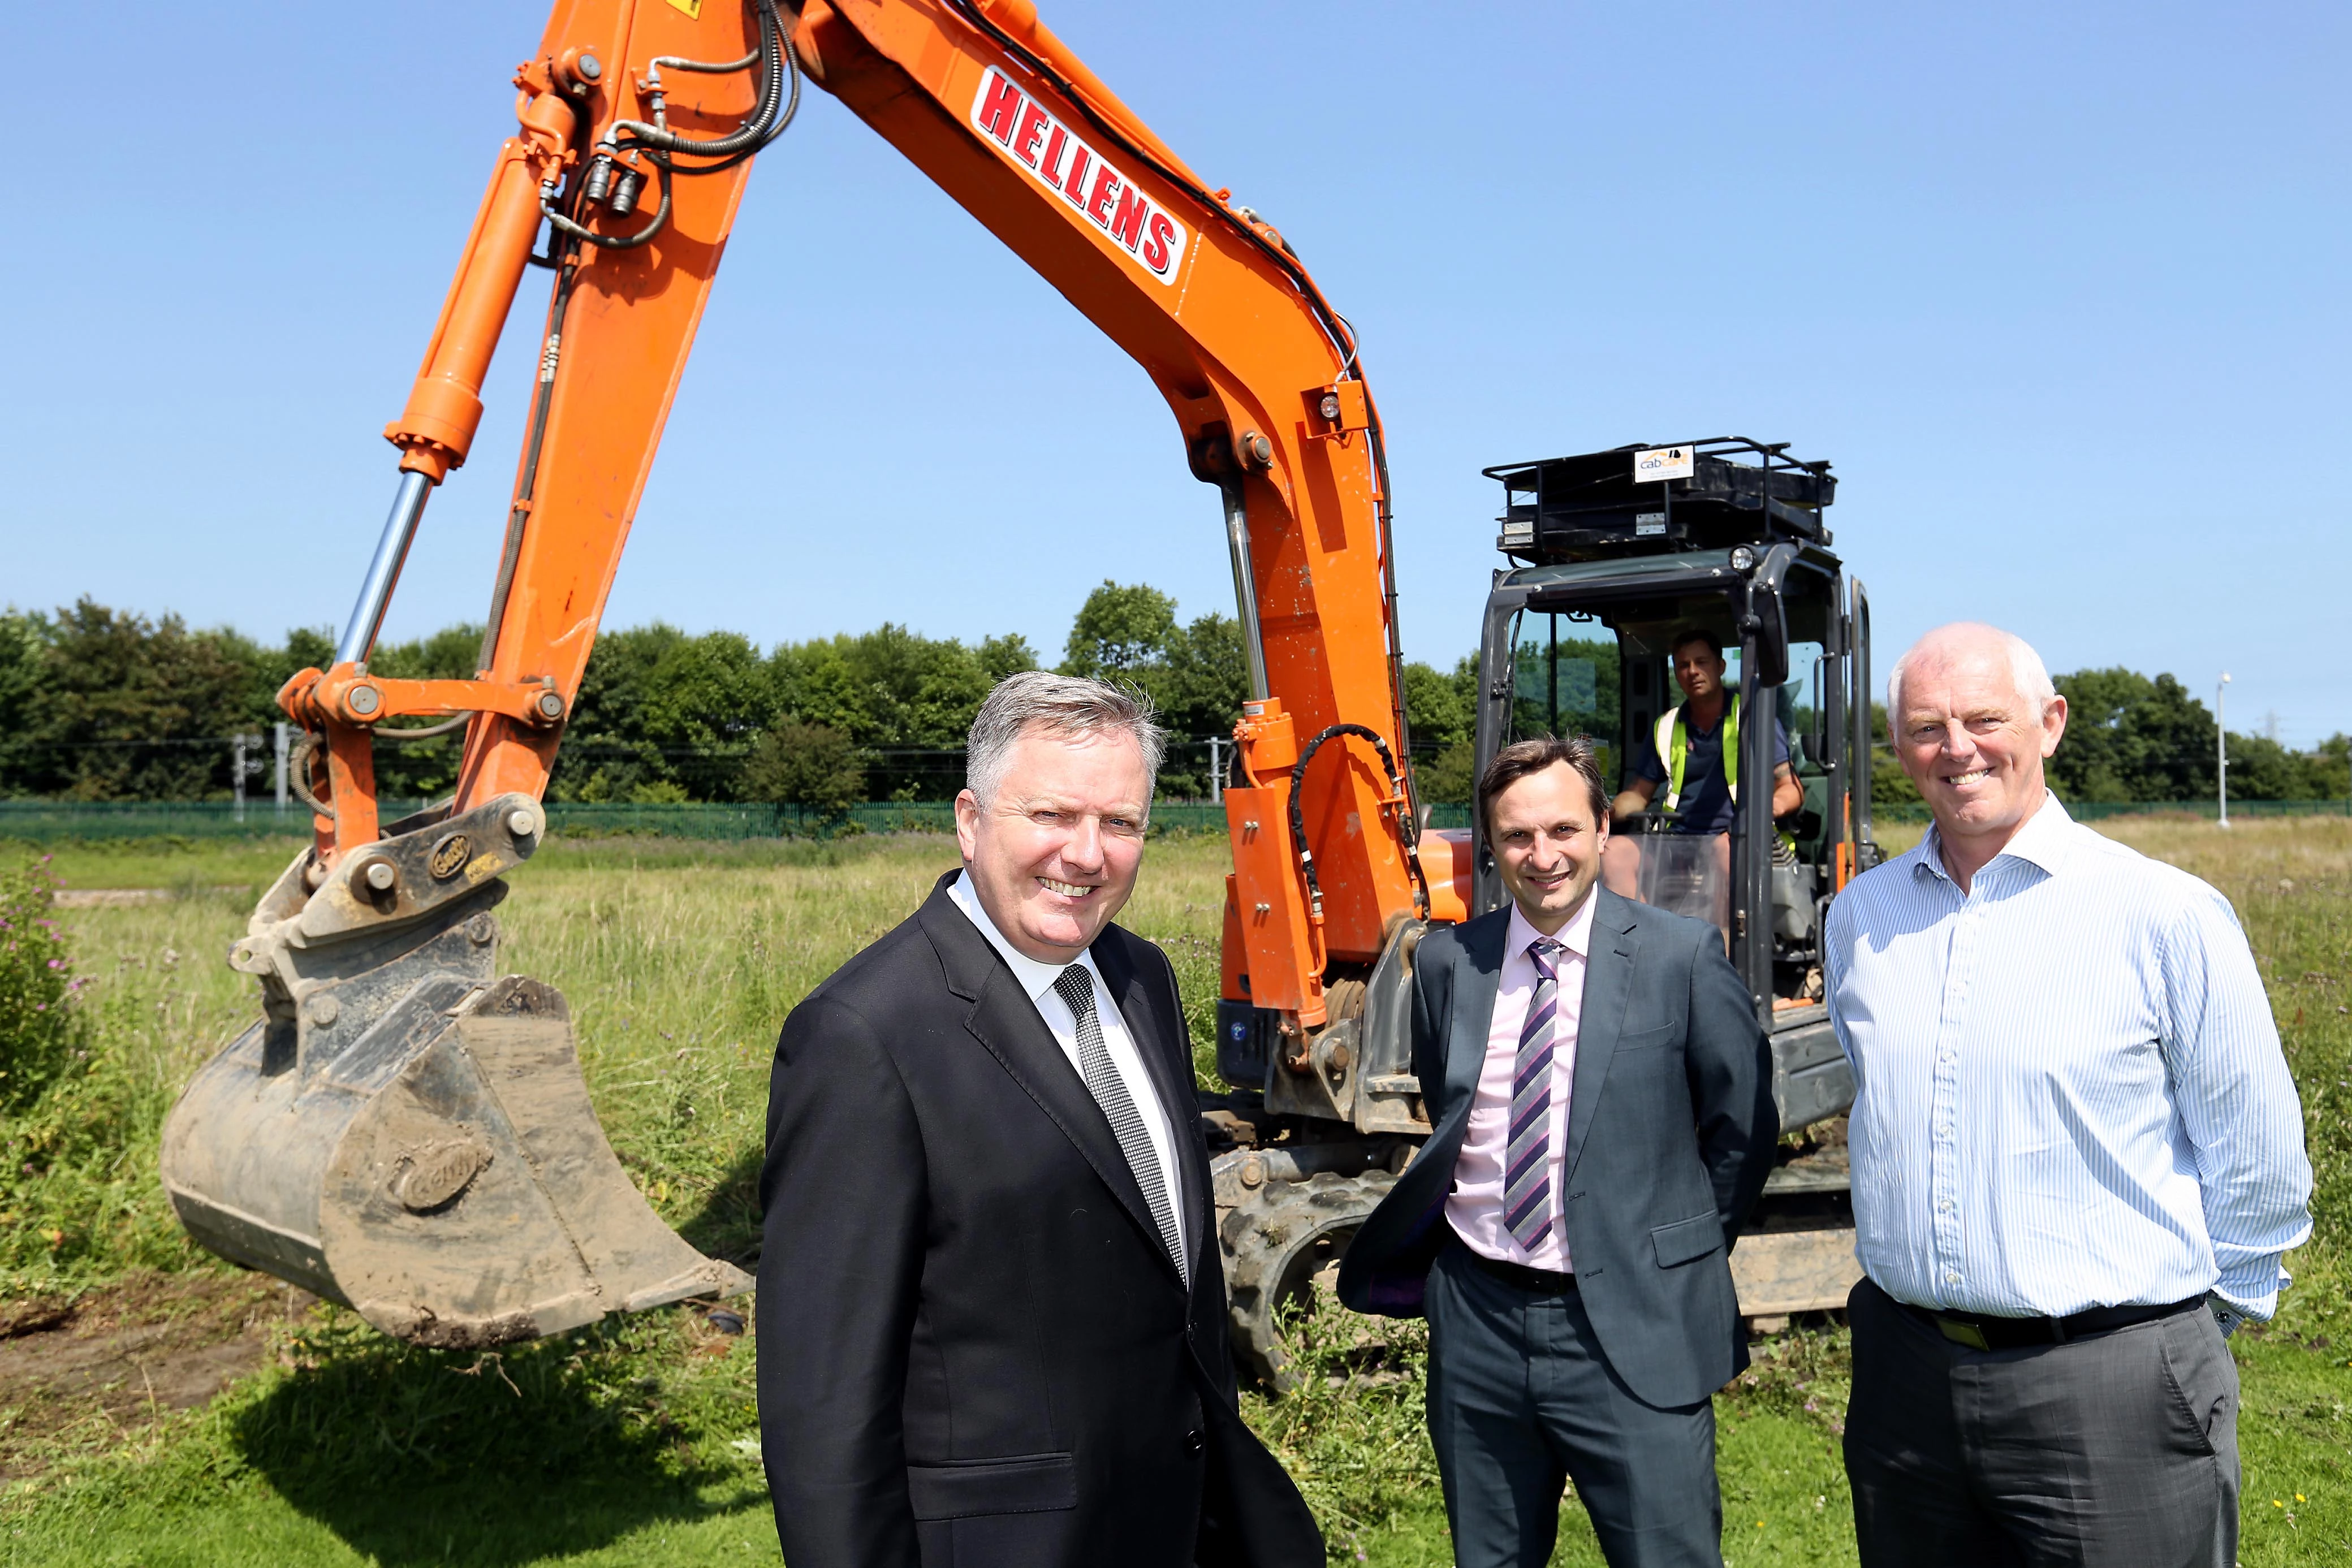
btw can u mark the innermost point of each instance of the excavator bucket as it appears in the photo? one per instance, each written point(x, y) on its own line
point(407, 1132)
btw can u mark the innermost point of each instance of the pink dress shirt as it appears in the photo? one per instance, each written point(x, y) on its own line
point(1474, 1207)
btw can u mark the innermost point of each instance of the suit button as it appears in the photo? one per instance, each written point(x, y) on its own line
point(1195, 1443)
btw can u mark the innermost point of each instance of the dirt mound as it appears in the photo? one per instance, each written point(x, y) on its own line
point(108, 1361)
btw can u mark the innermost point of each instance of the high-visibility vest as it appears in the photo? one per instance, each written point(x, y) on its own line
point(1672, 741)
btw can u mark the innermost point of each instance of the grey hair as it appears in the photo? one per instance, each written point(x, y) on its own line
point(2026, 669)
point(1063, 705)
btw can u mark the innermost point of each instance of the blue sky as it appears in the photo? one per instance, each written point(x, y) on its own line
point(2059, 289)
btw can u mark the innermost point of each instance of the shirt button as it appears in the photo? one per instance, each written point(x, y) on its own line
point(1951, 1276)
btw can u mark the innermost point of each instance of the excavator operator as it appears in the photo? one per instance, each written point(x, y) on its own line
point(1694, 755)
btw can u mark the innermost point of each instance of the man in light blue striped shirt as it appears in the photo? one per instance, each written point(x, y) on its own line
point(2077, 1157)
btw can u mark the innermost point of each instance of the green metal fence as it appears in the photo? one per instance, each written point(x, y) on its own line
point(51, 820)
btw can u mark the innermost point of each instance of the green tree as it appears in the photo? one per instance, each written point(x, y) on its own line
point(20, 680)
point(608, 753)
point(126, 708)
point(906, 700)
point(811, 766)
point(1197, 687)
point(1121, 630)
point(1889, 785)
point(1006, 655)
point(2330, 767)
point(1442, 712)
point(1197, 676)
point(2132, 739)
point(1442, 709)
point(412, 769)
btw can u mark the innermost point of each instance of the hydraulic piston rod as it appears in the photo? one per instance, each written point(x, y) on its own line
point(383, 571)
point(1246, 586)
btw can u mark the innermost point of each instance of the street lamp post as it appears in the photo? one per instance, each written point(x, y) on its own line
point(2221, 749)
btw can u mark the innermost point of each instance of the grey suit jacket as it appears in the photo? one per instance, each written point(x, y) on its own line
point(1671, 1133)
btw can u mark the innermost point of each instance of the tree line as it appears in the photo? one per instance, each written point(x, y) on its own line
point(98, 704)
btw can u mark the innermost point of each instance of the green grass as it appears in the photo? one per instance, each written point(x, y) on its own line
point(627, 1444)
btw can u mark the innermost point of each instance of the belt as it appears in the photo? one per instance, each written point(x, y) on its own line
point(1979, 1331)
point(1539, 1281)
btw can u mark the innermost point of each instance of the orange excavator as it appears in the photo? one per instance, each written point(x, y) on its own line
point(407, 1130)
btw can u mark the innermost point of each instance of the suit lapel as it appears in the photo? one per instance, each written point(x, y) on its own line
point(1176, 1093)
point(1477, 980)
point(1608, 982)
point(1006, 1023)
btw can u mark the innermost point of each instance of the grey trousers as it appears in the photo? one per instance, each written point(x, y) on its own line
point(2119, 1451)
point(1521, 1399)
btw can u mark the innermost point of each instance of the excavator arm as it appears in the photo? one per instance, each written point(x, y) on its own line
point(406, 1131)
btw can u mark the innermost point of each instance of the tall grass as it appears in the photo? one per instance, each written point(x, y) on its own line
point(680, 962)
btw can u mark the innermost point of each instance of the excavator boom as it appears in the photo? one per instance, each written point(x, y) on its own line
point(407, 1130)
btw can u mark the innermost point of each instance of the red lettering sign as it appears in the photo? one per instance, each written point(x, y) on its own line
point(1000, 102)
point(1106, 187)
point(1123, 210)
point(1155, 249)
point(1127, 227)
point(1032, 130)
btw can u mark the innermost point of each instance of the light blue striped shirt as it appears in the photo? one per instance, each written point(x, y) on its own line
point(2068, 1087)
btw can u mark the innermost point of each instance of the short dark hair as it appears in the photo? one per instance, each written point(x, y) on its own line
point(1695, 634)
point(1523, 758)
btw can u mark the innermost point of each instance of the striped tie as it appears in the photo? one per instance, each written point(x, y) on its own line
point(1527, 1157)
point(1076, 986)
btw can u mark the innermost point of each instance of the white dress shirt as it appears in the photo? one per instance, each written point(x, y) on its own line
point(1037, 980)
point(1474, 1207)
point(2068, 1087)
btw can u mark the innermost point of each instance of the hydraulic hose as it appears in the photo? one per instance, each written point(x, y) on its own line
point(618, 242)
point(298, 776)
point(748, 136)
point(428, 732)
point(1409, 829)
point(778, 102)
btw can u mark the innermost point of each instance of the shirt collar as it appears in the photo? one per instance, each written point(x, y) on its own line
point(1576, 936)
point(2044, 840)
point(1036, 976)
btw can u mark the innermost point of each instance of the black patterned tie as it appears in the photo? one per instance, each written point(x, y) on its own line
point(1076, 986)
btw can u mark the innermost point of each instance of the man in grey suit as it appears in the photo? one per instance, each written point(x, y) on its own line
point(1600, 1091)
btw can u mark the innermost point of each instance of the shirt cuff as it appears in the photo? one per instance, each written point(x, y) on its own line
point(2254, 1288)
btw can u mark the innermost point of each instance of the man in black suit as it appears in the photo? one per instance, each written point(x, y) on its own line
point(1600, 1093)
point(991, 1309)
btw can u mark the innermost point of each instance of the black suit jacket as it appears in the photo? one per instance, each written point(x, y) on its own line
point(1671, 1133)
point(974, 1348)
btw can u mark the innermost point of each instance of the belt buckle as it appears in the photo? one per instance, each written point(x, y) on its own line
point(1962, 1332)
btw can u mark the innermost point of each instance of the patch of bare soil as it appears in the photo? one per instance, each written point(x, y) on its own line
point(108, 1361)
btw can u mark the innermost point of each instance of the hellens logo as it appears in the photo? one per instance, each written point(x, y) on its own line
point(1078, 175)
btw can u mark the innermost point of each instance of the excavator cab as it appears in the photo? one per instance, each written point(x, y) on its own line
point(1613, 569)
point(1618, 556)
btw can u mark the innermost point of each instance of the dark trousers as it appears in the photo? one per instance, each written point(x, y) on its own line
point(2117, 1451)
point(1521, 1399)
